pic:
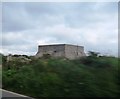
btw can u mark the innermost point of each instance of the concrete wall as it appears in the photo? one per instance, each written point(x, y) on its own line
point(53, 50)
point(73, 52)
point(61, 50)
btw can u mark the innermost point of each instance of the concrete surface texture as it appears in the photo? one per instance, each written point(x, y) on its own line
point(8, 94)
point(61, 50)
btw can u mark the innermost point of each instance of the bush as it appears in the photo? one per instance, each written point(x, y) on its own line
point(49, 77)
point(46, 56)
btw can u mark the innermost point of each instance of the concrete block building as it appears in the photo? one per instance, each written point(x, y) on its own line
point(61, 50)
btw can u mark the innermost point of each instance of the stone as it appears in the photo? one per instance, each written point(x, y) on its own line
point(61, 51)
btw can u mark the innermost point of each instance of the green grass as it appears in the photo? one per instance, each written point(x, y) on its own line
point(86, 77)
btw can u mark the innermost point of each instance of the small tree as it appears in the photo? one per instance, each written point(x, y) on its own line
point(93, 54)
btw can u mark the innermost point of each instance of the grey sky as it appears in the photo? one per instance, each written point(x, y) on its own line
point(27, 25)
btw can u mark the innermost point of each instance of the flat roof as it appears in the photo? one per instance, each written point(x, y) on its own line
point(59, 45)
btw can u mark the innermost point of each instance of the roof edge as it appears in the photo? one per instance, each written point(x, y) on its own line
point(59, 45)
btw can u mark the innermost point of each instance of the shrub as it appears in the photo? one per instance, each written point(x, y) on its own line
point(46, 56)
point(49, 77)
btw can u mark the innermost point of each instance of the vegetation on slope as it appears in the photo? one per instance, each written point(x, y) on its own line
point(91, 76)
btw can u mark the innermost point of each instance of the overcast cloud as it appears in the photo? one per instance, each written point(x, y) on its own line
point(27, 25)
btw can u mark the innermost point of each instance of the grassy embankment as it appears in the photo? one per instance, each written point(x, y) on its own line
point(49, 77)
